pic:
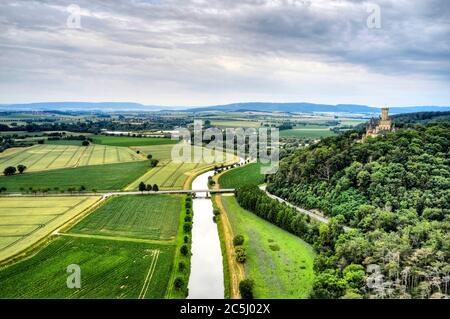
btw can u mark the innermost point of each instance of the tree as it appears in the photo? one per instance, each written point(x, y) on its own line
point(21, 168)
point(184, 250)
point(187, 227)
point(246, 288)
point(85, 143)
point(10, 170)
point(238, 240)
point(82, 188)
point(148, 187)
point(155, 188)
point(149, 156)
point(153, 162)
point(2, 189)
point(241, 254)
point(141, 187)
point(178, 283)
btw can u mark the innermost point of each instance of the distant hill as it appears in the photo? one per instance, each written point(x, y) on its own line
point(236, 107)
point(79, 106)
point(311, 107)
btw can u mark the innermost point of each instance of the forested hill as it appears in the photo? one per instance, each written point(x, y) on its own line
point(395, 191)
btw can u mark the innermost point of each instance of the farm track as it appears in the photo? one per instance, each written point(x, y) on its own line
point(117, 238)
point(150, 273)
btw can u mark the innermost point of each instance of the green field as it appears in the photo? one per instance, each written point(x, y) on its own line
point(109, 269)
point(99, 177)
point(307, 132)
point(170, 175)
point(236, 124)
point(131, 141)
point(281, 264)
point(241, 176)
point(148, 217)
point(49, 157)
point(25, 221)
point(159, 152)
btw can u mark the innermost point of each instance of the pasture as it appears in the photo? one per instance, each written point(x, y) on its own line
point(307, 132)
point(236, 124)
point(128, 141)
point(159, 152)
point(241, 176)
point(149, 217)
point(98, 177)
point(48, 157)
point(281, 264)
point(109, 270)
point(25, 221)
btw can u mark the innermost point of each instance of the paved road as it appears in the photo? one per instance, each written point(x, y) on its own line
point(314, 215)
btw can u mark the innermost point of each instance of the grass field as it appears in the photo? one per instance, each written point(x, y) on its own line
point(99, 177)
point(131, 141)
point(109, 269)
point(148, 217)
point(236, 124)
point(280, 263)
point(159, 152)
point(25, 221)
point(48, 157)
point(241, 176)
point(307, 132)
point(170, 174)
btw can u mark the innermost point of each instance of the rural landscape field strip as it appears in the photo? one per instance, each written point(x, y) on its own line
point(150, 273)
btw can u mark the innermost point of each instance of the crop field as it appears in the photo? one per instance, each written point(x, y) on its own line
point(25, 221)
point(109, 269)
point(172, 174)
point(98, 177)
point(159, 152)
point(148, 217)
point(236, 124)
point(281, 264)
point(48, 157)
point(307, 132)
point(131, 141)
point(241, 176)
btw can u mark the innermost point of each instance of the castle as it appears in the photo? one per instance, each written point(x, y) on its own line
point(384, 124)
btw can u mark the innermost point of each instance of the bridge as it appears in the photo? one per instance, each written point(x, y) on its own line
point(194, 192)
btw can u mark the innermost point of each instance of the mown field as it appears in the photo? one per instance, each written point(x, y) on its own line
point(25, 221)
point(236, 124)
point(99, 177)
point(109, 269)
point(241, 176)
point(130, 141)
point(172, 174)
point(149, 217)
point(48, 157)
point(159, 152)
point(280, 263)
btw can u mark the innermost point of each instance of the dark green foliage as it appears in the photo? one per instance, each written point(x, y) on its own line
point(10, 170)
point(184, 250)
point(246, 288)
point(142, 187)
point(187, 227)
point(241, 254)
point(238, 240)
point(178, 283)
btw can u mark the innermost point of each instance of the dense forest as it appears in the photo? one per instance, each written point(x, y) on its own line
point(393, 190)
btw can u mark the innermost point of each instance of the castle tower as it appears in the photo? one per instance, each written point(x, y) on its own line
point(385, 122)
point(385, 114)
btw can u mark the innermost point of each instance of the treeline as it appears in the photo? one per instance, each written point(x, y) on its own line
point(394, 190)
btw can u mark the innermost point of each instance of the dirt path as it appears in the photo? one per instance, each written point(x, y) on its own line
point(236, 270)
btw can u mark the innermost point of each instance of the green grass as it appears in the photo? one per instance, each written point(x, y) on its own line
point(131, 141)
point(241, 176)
point(147, 216)
point(48, 157)
point(236, 124)
point(280, 263)
point(63, 142)
point(307, 133)
point(109, 269)
point(100, 177)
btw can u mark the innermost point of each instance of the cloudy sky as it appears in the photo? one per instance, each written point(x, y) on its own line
point(203, 52)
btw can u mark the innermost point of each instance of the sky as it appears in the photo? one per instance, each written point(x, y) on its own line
point(209, 52)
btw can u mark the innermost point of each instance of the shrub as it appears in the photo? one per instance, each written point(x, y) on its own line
point(246, 288)
point(187, 227)
point(184, 250)
point(187, 218)
point(181, 266)
point(178, 283)
point(238, 240)
point(186, 239)
point(241, 254)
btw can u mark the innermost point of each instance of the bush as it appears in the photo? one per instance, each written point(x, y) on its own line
point(10, 170)
point(186, 239)
point(188, 205)
point(184, 250)
point(181, 266)
point(178, 283)
point(246, 288)
point(241, 254)
point(187, 227)
point(187, 218)
point(85, 143)
point(216, 212)
point(238, 240)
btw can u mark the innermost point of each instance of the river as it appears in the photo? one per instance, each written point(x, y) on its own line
point(206, 279)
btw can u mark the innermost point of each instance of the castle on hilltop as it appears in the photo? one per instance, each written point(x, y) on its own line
point(380, 126)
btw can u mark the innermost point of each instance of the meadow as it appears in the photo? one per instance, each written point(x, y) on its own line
point(98, 177)
point(148, 217)
point(49, 157)
point(128, 141)
point(307, 132)
point(241, 176)
point(25, 221)
point(109, 270)
point(236, 124)
point(281, 264)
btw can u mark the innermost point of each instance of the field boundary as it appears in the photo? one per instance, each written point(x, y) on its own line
point(116, 238)
point(150, 273)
